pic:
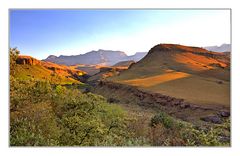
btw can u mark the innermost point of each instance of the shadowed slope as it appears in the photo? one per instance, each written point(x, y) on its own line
point(191, 73)
point(156, 80)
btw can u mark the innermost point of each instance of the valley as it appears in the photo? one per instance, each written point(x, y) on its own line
point(171, 88)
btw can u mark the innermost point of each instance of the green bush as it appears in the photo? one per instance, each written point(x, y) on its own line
point(209, 136)
point(167, 131)
point(36, 126)
point(13, 55)
point(89, 119)
point(60, 89)
point(162, 118)
point(43, 115)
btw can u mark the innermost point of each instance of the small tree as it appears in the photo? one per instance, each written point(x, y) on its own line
point(13, 52)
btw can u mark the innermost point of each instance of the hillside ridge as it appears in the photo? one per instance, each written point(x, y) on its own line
point(177, 48)
point(29, 67)
point(191, 73)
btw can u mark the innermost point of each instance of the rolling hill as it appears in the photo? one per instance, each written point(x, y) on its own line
point(190, 73)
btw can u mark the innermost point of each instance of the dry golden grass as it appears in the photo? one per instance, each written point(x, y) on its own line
point(156, 80)
point(192, 88)
point(32, 68)
point(183, 75)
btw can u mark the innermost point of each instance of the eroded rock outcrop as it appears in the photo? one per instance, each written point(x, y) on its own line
point(27, 60)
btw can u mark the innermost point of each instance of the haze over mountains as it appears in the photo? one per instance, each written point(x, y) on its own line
point(100, 57)
point(110, 57)
point(222, 48)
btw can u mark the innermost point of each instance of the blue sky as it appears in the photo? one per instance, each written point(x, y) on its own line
point(40, 33)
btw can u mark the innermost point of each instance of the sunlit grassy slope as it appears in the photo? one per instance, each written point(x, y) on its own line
point(31, 68)
point(183, 73)
point(38, 72)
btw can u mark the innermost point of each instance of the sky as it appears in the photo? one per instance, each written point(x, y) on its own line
point(40, 33)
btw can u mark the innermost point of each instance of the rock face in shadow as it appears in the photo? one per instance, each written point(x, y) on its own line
point(213, 119)
point(224, 114)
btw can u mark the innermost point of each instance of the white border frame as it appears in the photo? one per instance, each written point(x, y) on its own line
point(235, 78)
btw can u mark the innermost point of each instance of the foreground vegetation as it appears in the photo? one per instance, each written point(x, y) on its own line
point(42, 114)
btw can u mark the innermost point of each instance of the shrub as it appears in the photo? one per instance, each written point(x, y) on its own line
point(209, 136)
point(35, 125)
point(60, 89)
point(13, 55)
point(167, 131)
point(162, 118)
point(89, 119)
point(42, 115)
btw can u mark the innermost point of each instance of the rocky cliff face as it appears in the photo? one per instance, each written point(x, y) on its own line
point(27, 60)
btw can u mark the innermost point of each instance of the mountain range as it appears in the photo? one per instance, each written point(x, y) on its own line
point(222, 48)
point(100, 57)
point(110, 57)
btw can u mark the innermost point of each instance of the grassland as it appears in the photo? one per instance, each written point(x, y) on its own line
point(38, 72)
point(194, 77)
point(196, 89)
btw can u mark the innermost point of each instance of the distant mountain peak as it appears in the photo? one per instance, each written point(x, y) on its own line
point(51, 57)
point(225, 44)
point(222, 48)
point(100, 50)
